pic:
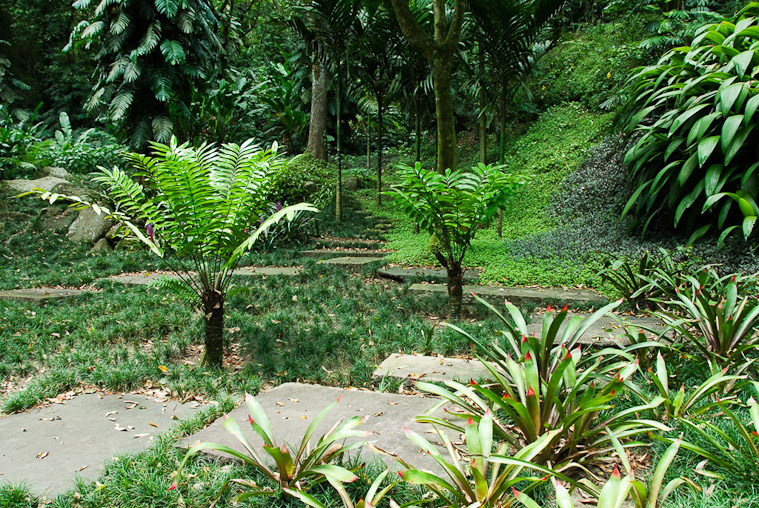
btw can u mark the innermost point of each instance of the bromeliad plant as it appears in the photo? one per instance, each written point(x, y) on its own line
point(705, 398)
point(451, 207)
point(293, 471)
point(201, 209)
point(479, 473)
point(371, 499)
point(545, 388)
point(717, 315)
point(617, 490)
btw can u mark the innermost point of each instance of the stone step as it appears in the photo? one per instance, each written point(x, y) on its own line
point(415, 273)
point(41, 295)
point(337, 253)
point(46, 448)
point(608, 330)
point(351, 263)
point(291, 407)
point(575, 298)
point(431, 368)
point(141, 279)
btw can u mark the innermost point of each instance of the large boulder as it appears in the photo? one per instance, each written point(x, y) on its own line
point(56, 172)
point(101, 246)
point(14, 187)
point(57, 219)
point(351, 183)
point(88, 227)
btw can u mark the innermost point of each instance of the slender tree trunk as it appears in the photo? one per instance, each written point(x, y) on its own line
point(446, 128)
point(368, 146)
point(318, 124)
point(455, 289)
point(501, 150)
point(339, 183)
point(418, 131)
point(483, 104)
point(379, 149)
point(213, 308)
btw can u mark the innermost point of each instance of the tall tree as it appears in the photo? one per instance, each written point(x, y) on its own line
point(439, 49)
point(149, 55)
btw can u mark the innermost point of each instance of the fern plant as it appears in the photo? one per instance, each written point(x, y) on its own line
point(200, 208)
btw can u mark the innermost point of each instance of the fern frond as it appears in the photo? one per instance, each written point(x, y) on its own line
point(178, 288)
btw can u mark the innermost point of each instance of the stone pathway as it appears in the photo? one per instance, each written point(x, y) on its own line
point(292, 406)
point(41, 295)
point(520, 295)
point(141, 279)
point(415, 273)
point(338, 253)
point(607, 331)
point(48, 447)
point(431, 368)
point(351, 263)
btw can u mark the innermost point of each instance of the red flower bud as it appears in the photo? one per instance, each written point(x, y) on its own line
point(548, 308)
point(471, 382)
point(173, 485)
point(528, 357)
point(616, 472)
point(564, 308)
point(469, 421)
point(530, 391)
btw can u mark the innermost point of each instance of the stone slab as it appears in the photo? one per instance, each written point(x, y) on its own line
point(351, 263)
point(288, 404)
point(47, 447)
point(140, 279)
point(607, 331)
point(40, 295)
point(410, 273)
point(337, 253)
point(520, 295)
point(431, 368)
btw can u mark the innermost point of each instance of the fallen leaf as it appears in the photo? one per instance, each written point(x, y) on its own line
point(153, 424)
point(293, 400)
point(42, 455)
point(280, 404)
point(141, 435)
point(163, 368)
point(303, 417)
point(82, 468)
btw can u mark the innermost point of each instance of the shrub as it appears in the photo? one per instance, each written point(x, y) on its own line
point(84, 152)
point(304, 178)
point(695, 162)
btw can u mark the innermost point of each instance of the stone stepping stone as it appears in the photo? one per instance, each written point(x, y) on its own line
point(351, 263)
point(431, 368)
point(337, 253)
point(410, 273)
point(292, 406)
point(607, 331)
point(41, 295)
point(141, 279)
point(46, 448)
point(520, 295)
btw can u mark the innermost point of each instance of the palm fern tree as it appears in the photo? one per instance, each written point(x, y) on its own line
point(201, 209)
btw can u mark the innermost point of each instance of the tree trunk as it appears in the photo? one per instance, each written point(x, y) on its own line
point(418, 131)
point(318, 124)
point(446, 128)
point(455, 289)
point(339, 182)
point(379, 149)
point(213, 308)
point(368, 147)
point(501, 150)
point(483, 104)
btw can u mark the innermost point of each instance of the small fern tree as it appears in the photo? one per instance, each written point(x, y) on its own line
point(451, 207)
point(201, 208)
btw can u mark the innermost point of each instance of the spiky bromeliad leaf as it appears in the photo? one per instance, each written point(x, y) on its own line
point(695, 109)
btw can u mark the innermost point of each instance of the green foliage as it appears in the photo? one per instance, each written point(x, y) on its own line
point(297, 471)
point(294, 232)
point(700, 401)
point(81, 153)
point(695, 110)
point(149, 55)
point(735, 450)
point(18, 144)
point(304, 178)
point(10, 86)
point(590, 65)
point(451, 206)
